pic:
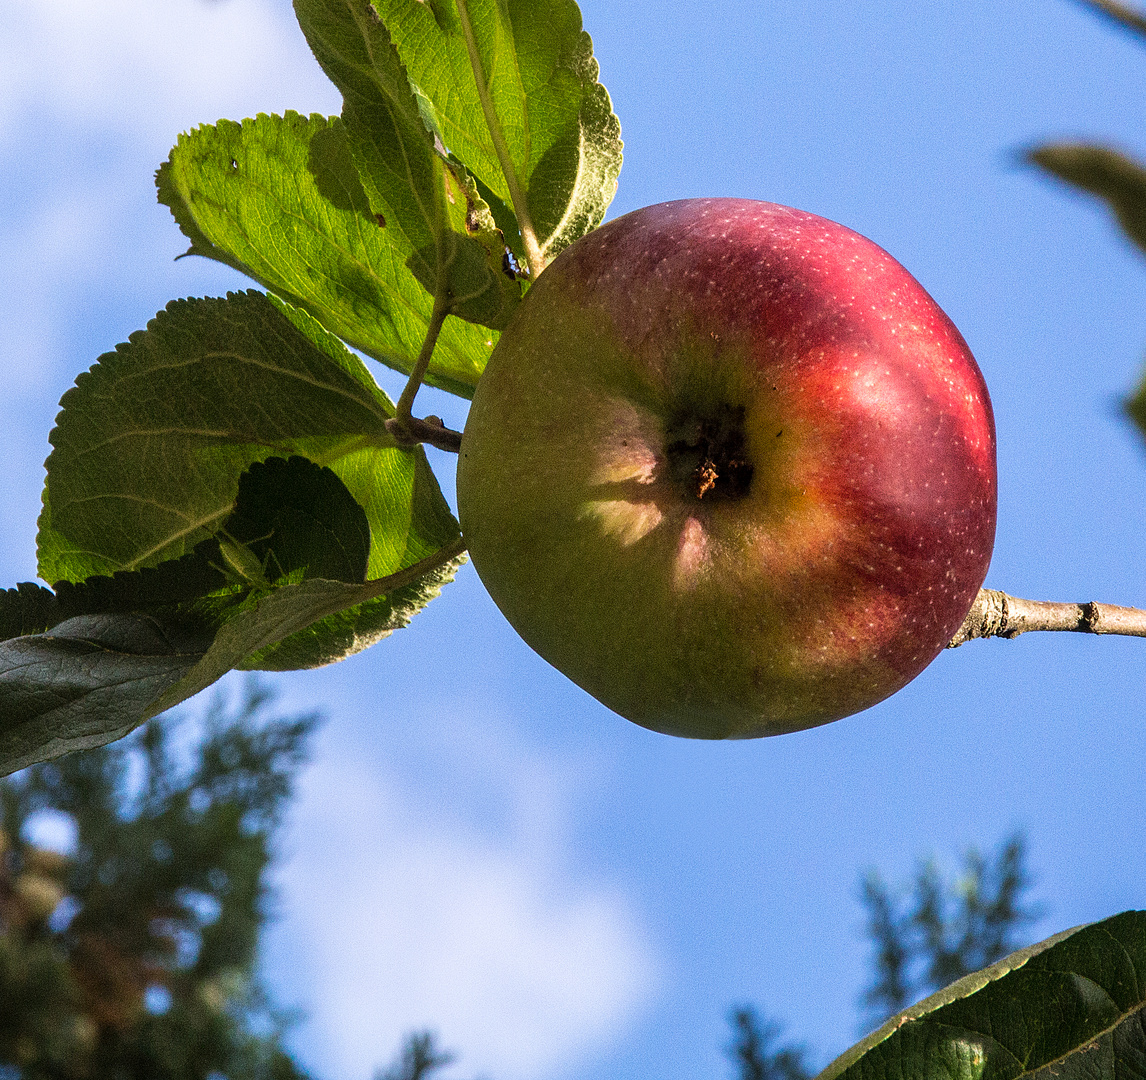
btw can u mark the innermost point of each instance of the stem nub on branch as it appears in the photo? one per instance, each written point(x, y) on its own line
point(431, 430)
point(995, 614)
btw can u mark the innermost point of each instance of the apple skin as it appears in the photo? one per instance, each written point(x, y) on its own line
point(815, 378)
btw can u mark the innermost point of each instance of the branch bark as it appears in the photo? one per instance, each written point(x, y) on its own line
point(995, 614)
point(431, 430)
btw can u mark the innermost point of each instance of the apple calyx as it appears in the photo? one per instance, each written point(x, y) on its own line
point(707, 457)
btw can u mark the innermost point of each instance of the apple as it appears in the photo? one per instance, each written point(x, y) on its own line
point(731, 469)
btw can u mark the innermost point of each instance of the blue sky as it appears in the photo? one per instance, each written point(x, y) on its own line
point(480, 847)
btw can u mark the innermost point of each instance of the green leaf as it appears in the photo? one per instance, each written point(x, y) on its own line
point(88, 681)
point(458, 250)
point(94, 675)
point(292, 521)
point(172, 588)
point(152, 441)
point(351, 629)
point(1136, 407)
point(314, 622)
point(1121, 182)
point(279, 199)
point(513, 92)
point(1071, 1007)
point(1110, 175)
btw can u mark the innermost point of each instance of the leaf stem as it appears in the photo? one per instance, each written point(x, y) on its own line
point(995, 614)
point(409, 574)
point(407, 429)
point(434, 328)
point(533, 253)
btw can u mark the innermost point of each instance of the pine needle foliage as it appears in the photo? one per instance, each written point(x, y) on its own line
point(944, 930)
point(133, 956)
point(754, 1053)
point(923, 937)
point(419, 1059)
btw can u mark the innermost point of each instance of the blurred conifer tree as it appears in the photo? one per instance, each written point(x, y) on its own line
point(924, 937)
point(419, 1058)
point(944, 930)
point(132, 956)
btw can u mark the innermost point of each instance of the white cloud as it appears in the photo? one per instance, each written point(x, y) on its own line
point(153, 66)
point(399, 915)
point(92, 96)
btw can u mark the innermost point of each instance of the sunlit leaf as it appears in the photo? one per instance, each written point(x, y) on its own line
point(411, 185)
point(512, 91)
point(152, 441)
point(279, 198)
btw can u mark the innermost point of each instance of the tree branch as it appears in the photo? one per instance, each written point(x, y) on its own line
point(431, 430)
point(995, 614)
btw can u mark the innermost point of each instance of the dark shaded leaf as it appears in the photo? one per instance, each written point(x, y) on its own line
point(88, 681)
point(1069, 1007)
point(27, 609)
point(297, 518)
point(156, 590)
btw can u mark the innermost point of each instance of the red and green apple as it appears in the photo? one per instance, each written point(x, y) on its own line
point(731, 469)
